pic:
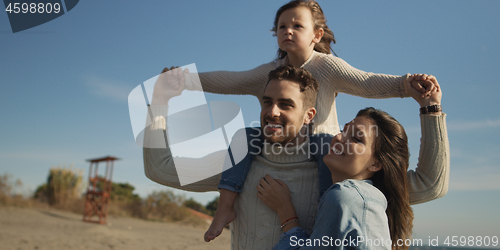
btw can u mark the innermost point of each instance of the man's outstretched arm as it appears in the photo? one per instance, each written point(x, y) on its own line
point(159, 167)
point(159, 164)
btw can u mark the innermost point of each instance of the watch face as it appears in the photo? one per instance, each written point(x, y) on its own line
point(435, 108)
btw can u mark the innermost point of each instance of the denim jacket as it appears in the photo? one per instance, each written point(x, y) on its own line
point(351, 215)
point(319, 146)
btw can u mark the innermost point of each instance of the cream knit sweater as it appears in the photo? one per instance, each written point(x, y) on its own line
point(333, 74)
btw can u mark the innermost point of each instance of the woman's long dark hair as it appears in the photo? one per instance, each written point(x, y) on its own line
point(392, 153)
point(319, 22)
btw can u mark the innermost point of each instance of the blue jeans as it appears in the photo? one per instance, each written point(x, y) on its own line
point(319, 146)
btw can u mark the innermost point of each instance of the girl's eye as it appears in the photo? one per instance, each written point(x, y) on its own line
point(298, 26)
point(281, 27)
point(357, 140)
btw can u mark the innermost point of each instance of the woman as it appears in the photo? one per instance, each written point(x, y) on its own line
point(368, 206)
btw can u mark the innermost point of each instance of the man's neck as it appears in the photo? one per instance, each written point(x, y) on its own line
point(296, 141)
point(279, 154)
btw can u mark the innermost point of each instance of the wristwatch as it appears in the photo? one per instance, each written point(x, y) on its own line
point(431, 109)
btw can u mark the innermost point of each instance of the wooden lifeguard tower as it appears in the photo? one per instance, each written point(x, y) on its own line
point(98, 191)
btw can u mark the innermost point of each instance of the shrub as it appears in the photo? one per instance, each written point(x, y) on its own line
point(123, 192)
point(64, 186)
point(165, 206)
point(191, 203)
point(7, 197)
point(212, 206)
point(5, 189)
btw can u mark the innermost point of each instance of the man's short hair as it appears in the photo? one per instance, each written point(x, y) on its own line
point(308, 85)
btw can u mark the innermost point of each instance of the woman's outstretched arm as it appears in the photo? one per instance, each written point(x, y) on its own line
point(430, 179)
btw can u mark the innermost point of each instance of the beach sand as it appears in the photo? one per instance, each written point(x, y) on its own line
point(30, 228)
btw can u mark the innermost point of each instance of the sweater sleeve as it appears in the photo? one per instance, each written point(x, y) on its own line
point(160, 165)
point(249, 82)
point(347, 79)
point(430, 179)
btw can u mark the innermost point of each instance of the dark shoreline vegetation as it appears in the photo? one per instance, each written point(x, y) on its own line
point(65, 189)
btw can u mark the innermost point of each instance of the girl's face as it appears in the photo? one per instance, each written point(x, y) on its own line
point(296, 33)
point(352, 152)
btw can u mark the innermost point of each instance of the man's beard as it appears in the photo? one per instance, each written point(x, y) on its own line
point(287, 134)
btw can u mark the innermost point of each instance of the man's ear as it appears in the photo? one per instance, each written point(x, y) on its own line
point(310, 113)
point(318, 34)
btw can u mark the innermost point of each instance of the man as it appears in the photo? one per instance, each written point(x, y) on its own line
point(287, 104)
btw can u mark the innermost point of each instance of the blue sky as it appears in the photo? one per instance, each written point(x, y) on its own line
point(64, 84)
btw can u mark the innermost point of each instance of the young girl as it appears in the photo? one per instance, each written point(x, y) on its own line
point(369, 203)
point(304, 41)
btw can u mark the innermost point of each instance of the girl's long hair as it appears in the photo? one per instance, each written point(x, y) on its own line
point(319, 22)
point(391, 152)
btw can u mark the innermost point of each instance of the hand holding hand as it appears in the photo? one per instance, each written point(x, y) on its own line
point(423, 83)
point(424, 100)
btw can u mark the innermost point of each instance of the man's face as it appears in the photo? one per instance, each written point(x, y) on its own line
point(283, 115)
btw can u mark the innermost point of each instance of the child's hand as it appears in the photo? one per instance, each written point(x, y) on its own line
point(422, 83)
point(424, 100)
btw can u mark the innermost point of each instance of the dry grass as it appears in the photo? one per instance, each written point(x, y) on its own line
point(64, 186)
point(63, 191)
point(7, 197)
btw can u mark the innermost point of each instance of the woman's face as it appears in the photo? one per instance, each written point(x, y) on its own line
point(351, 153)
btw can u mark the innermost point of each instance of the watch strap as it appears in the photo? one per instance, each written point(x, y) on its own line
point(431, 109)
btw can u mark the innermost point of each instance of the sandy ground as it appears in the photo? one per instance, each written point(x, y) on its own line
point(25, 228)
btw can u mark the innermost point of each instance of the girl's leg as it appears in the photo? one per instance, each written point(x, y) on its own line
point(225, 214)
point(231, 183)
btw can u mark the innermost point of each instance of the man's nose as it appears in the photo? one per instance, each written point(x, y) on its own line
point(274, 111)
